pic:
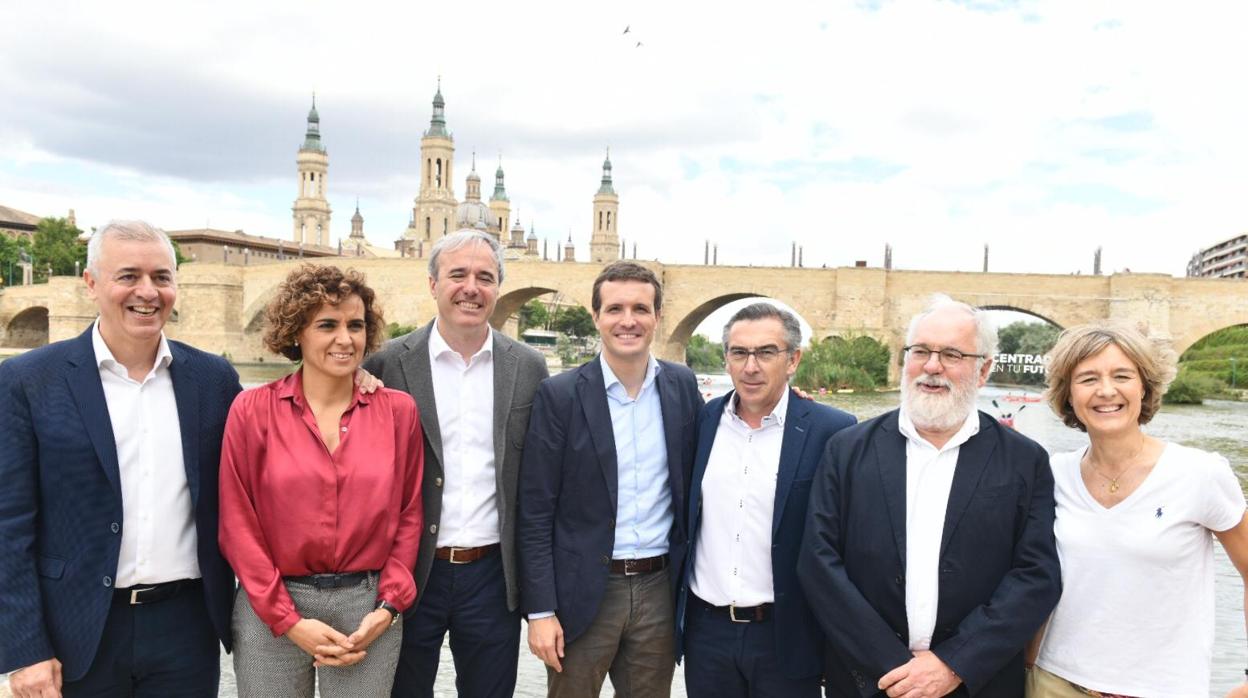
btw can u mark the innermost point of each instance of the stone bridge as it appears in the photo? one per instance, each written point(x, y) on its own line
point(220, 309)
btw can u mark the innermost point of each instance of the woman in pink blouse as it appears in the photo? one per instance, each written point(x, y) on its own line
point(320, 501)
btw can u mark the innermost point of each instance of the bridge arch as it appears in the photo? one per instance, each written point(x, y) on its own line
point(510, 303)
point(1199, 331)
point(28, 329)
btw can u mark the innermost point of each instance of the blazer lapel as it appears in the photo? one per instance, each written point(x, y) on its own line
point(890, 454)
point(88, 392)
point(973, 457)
point(669, 405)
point(796, 426)
point(184, 395)
point(706, 442)
point(592, 394)
point(419, 377)
point(505, 362)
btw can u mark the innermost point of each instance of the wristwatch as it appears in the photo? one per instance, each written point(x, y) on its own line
point(394, 612)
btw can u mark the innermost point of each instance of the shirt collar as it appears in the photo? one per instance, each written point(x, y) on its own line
point(969, 428)
point(609, 378)
point(438, 345)
point(291, 388)
point(777, 416)
point(104, 356)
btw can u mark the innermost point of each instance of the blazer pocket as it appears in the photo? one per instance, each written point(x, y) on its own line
point(51, 567)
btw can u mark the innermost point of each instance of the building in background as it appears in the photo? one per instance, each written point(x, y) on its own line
point(1226, 260)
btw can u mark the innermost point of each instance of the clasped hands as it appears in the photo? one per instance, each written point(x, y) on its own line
point(924, 676)
point(328, 647)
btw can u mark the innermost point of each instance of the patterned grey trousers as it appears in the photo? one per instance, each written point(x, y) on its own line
point(274, 667)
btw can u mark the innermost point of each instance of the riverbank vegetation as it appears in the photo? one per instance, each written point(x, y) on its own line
point(1214, 367)
point(843, 363)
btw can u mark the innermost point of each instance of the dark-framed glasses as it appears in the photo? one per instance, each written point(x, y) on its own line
point(948, 356)
point(737, 356)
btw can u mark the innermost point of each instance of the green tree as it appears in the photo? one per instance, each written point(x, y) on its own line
point(57, 246)
point(10, 251)
point(533, 314)
point(859, 363)
point(574, 321)
point(704, 355)
point(394, 330)
point(178, 258)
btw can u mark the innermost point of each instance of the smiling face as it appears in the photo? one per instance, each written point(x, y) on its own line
point(1106, 391)
point(938, 397)
point(466, 290)
point(332, 343)
point(760, 385)
point(626, 319)
point(134, 286)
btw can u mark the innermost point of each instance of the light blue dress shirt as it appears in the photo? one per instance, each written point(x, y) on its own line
point(644, 515)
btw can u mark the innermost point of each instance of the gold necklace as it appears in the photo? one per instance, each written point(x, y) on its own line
point(1113, 481)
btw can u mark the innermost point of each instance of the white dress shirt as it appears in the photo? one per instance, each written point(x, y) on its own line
point(929, 479)
point(158, 537)
point(464, 395)
point(733, 561)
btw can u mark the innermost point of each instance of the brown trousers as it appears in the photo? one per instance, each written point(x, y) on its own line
point(632, 638)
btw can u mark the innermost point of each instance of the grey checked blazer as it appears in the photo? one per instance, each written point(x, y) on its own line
point(403, 364)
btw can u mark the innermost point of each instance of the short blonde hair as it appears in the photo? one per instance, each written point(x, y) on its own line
point(1154, 360)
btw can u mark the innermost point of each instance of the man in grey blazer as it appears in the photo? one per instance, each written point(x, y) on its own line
point(474, 389)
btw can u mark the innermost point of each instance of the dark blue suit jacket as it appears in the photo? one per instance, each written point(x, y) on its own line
point(999, 572)
point(60, 497)
point(808, 426)
point(567, 501)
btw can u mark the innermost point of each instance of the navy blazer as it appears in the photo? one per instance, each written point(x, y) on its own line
point(567, 500)
point(807, 427)
point(60, 497)
point(999, 572)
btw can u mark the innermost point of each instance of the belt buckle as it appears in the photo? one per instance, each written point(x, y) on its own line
point(630, 567)
point(452, 559)
point(732, 613)
point(134, 596)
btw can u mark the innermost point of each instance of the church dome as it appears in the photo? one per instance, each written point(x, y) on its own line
point(470, 213)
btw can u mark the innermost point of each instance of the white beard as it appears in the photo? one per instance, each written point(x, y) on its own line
point(939, 412)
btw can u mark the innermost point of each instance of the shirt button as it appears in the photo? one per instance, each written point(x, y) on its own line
point(114, 527)
point(433, 528)
point(437, 481)
point(108, 581)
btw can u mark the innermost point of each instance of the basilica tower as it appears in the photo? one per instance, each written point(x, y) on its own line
point(500, 207)
point(604, 242)
point(433, 215)
point(311, 209)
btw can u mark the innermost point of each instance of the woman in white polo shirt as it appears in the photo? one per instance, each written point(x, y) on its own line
point(1136, 518)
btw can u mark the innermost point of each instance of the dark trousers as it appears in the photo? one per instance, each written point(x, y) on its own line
point(166, 649)
point(724, 659)
point(470, 601)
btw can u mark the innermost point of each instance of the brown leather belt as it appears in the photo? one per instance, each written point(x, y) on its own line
point(645, 565)
point(462, 556)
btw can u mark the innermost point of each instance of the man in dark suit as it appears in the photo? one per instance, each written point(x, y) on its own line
point(474, 388)
point(111, 582)
point(601, 530)
point(743, 622)
point(929, 555)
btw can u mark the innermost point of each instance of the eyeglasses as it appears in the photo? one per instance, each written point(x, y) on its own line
point(947, 357)
point(763, 355)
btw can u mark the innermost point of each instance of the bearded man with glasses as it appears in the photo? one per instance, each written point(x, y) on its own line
point(929, 557)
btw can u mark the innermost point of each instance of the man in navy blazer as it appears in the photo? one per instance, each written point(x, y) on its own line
point(929, 555)
point(600, 527)
point(743, 622)
point(111, 582)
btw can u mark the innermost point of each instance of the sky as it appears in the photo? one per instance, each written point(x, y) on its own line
point(1044, 130)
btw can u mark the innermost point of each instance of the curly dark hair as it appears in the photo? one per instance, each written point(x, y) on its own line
point(303, 293)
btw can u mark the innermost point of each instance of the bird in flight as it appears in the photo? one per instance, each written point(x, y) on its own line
point(626, 28)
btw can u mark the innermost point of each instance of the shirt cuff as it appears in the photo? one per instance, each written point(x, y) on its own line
point(539, 616)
